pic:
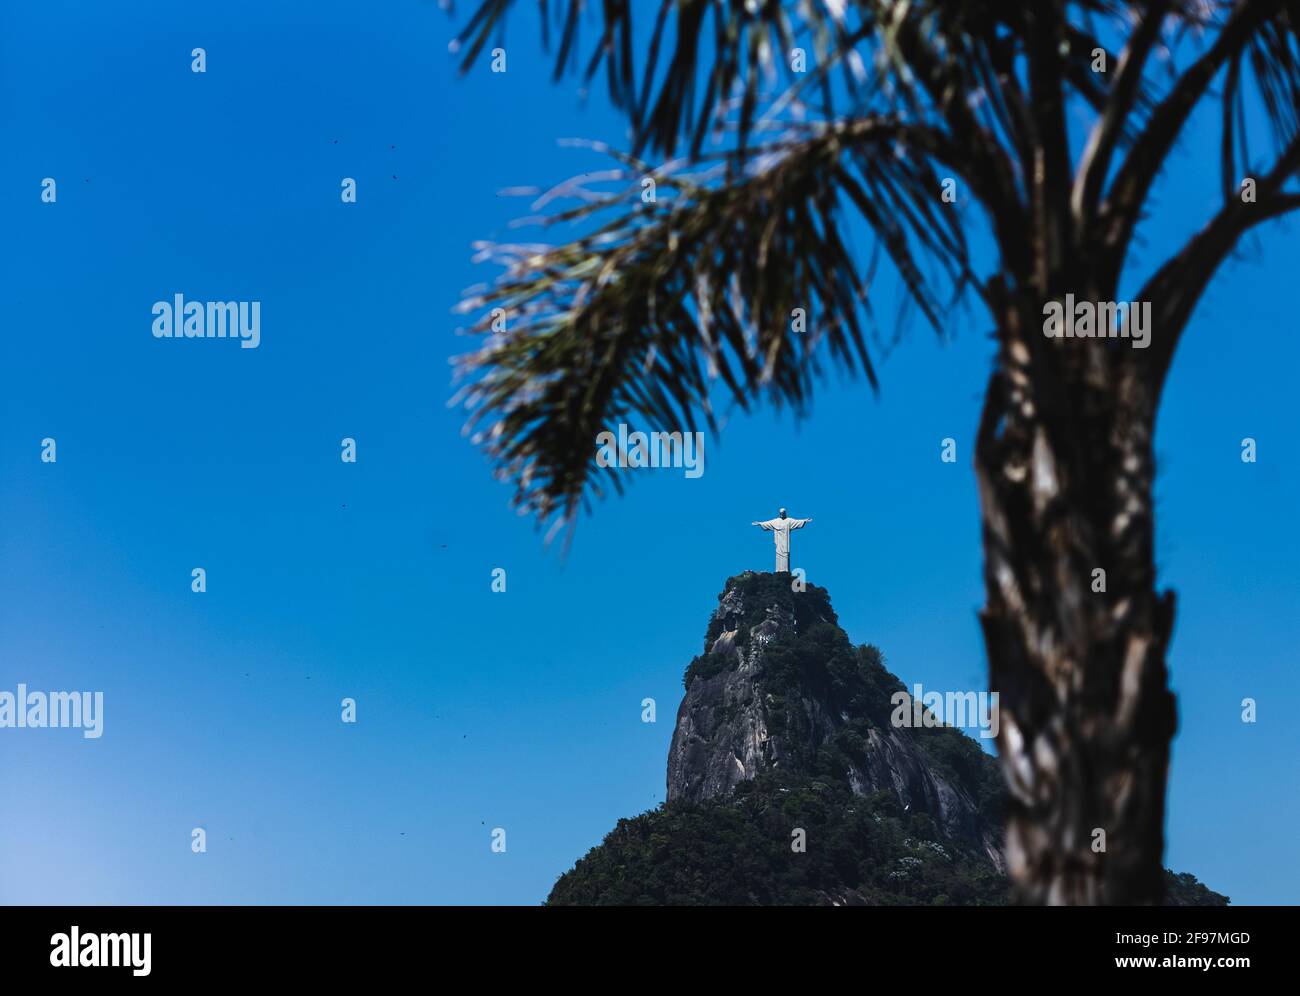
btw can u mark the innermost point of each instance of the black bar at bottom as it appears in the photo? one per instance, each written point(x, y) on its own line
point(205, 944)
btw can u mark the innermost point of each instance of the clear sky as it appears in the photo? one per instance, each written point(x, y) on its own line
point(372, 580)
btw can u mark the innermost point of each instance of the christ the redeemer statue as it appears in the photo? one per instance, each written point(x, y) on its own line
point(782, 525)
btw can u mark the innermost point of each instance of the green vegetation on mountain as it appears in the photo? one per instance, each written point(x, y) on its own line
point(738, 852)
point(832, 774)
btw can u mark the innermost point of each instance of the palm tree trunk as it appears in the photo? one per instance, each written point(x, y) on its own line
point(1075, 630)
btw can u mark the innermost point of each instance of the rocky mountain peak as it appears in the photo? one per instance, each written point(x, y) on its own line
point(780, 688)
point(784, 734)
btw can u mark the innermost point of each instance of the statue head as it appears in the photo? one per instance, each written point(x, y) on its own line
point(783, 513)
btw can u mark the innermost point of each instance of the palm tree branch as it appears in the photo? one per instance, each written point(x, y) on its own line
point(654, 311)
point(1177, 286)
point(1128, 192)
point(1094, 164)
point(990, 171)
point(1050, 169)
point(749, 41)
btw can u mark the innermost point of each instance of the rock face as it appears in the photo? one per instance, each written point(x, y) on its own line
point(785, 735)
point(780, 688)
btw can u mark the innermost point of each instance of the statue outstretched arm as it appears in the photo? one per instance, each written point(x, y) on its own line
point(800, 523)
point(765, 526)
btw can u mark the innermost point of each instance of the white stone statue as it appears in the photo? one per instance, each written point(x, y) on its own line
point(781, 526)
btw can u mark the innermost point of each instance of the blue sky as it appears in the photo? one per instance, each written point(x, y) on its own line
point(372, 580)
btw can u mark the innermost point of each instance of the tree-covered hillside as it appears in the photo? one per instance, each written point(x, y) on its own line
point(790, 783)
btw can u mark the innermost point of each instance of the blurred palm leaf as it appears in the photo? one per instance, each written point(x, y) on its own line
point(660, 307)
point(643, 317)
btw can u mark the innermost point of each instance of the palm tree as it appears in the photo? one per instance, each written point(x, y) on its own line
point(1056, 118)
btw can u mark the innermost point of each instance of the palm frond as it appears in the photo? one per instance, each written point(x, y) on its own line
point(663, 309)
point(1255, 38)
point(717, 54)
